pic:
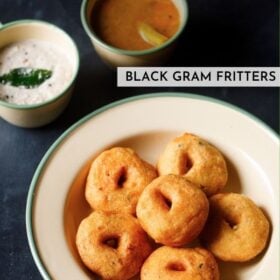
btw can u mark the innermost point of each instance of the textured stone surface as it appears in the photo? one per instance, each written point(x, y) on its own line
point(219, 33)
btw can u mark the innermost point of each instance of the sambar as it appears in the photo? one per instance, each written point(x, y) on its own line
point(116, 22)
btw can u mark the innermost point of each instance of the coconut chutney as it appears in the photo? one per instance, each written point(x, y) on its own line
point(35, 54)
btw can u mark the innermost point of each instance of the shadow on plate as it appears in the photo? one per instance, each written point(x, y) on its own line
point(234, 182)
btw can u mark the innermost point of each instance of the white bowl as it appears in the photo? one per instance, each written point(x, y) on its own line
point(146, 123)
point(38, 114)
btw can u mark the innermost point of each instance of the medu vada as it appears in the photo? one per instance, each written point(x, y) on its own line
point(195, 159)
point(112, 245)
point(172, 210)
point(237, 230)
point(168, 263)
point(116, 179)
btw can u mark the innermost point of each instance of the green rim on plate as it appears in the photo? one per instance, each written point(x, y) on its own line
point(95, 38)
point(32, 188)
point(33, 21)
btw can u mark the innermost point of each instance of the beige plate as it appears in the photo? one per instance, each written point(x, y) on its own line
point(146, 123)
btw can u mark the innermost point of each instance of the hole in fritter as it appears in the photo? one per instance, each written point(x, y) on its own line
point(185, 164)
point(122, 178)
point(200, 265)
point(188, 164)
point(166, 201)
point(232, 224)
point(203, 188)
point(111, 241)
point(176, 266)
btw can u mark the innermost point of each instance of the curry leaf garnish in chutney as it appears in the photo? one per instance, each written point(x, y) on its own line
point(25, 76)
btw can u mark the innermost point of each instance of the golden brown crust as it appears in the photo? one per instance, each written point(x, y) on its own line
point(113, 246)
point(195, 159)
point(116, 179)
point(172, 210)
point(237, 229)
point(168, 263)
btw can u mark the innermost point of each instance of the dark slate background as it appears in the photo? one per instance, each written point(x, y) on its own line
point(219, 33)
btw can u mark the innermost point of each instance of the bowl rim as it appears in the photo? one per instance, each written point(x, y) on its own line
point(76, 68)
point(119, 51)
point(32, 188)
